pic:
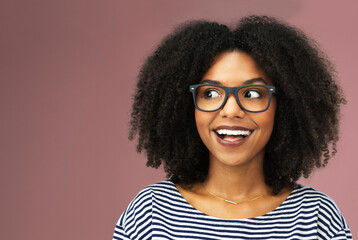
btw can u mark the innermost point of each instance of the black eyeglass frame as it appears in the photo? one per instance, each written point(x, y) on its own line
point(232, 90)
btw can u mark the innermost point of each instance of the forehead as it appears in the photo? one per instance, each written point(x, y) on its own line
point(234, 68)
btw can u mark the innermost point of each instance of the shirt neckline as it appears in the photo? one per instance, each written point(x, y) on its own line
point(260, 218)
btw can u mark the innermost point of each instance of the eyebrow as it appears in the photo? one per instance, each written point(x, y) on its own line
point(247, 82)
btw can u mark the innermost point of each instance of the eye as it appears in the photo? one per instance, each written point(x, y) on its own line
point(252, 93)
point(211, 93)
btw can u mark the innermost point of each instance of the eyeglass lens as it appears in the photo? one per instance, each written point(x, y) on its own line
point(252, 98)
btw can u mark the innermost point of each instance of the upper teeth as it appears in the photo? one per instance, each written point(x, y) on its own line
point(233, 132)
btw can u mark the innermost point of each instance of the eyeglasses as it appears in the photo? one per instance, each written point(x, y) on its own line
point(251, 98)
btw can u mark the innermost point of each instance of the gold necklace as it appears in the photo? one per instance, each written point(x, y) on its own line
point(228, 201)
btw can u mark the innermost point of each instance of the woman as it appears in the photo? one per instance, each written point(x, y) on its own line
point(236, 117)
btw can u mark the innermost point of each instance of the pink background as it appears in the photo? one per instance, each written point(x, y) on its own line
point(67, 74)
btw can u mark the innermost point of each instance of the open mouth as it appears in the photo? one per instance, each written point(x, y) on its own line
point(232, 135)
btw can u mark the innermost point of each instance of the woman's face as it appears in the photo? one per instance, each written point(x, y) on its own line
point(233, 69)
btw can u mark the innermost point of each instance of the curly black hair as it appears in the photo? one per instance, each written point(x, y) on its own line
point(307, 116)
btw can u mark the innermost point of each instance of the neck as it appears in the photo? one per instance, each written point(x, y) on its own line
point(236, 181)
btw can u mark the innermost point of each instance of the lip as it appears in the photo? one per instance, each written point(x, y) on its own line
point(232, 143)
point(232, 128)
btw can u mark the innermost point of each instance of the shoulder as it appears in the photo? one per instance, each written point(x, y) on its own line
point(145, 196)
point(310, 195)
point(311, 198)
point(316, 204)
point(134, 222)
point(142, 203)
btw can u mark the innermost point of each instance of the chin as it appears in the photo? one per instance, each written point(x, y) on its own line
point(230, 161)
point(237, 159)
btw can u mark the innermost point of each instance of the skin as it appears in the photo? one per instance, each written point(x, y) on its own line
point(235, 172)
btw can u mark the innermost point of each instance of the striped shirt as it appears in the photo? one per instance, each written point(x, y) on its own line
point(160, 212)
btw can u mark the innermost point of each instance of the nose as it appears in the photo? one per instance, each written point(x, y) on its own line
point(232, 109)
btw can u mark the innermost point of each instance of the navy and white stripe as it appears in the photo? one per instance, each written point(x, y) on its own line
point(160, 212)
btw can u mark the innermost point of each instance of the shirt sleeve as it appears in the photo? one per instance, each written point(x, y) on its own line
point(331, 223)
point(344, 233)
point(136, 221)
point(119, 233)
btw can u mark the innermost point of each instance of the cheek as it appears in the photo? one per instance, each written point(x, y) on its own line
point(199, 120)
point(203, 120)
point(268, 118)
point(265, 122)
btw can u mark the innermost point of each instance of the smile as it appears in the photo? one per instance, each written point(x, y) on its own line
point(232, 135)
point(226, 133)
